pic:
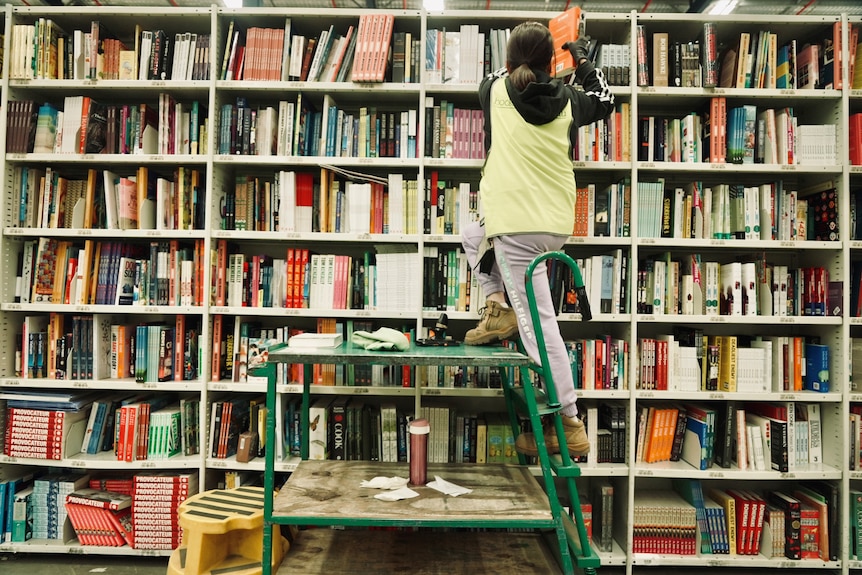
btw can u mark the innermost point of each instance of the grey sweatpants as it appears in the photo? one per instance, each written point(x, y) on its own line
point(513, 254)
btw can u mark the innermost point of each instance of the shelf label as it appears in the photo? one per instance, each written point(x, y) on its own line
point(647, 241)
point(787, 92)
point(788, 167)
point(218, 463)
point(648, 165)
point(220, 387)
point(74, 551)
point(360, 390)
point(433, 392)
point(154, 233)
point(148, 464)
point(716, 395)
point(647, 395)
point(716, 474)
point(788, 475)
point(718, 166)
point(82, 384)
point(150, 309)
point(787, 244)
point(13, 306)
point(12, 382)
point(293, 388)
point(645, 472)
point(647, 89)
point(715, 242)
point(83, 309)
point(787, 319)
point(14, 231)
point(716, 563)
point(787, 397)
point(579, 164)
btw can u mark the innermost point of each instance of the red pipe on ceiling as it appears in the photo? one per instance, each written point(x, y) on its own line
point(804, 8)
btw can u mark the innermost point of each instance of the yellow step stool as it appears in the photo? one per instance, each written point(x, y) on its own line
point(223, 532)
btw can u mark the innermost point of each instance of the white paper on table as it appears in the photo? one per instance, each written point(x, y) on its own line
point(447, 487)
point(385, 483)
point(396, 494)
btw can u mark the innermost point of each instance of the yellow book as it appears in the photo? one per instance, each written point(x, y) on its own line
point(729, 503)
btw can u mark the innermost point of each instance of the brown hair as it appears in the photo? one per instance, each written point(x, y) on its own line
point(530, 48)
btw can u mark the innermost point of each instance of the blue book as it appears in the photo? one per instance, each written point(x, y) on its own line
point(18, 479)
point(695, 450)
point(816, 367)
point(691, 491)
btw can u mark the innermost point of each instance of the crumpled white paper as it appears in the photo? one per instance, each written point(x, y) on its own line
point(396, 494)
point(384, 483)
point(447, 487)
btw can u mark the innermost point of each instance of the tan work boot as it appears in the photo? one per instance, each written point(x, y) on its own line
point(497, 323)
point(576, 439)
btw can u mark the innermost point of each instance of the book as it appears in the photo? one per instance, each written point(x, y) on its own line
point(315, 340)
point(602, 495)
point(566, 26)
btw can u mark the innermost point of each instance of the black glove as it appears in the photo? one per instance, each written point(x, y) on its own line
point(579, 49)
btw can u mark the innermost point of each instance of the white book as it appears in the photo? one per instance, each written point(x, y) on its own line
point(318, 420)
point(396, 203)
point(768, 375)
point(731, 288)
point(285, 51)
point(758, 449)
point(815, 435)
point(286, 201)
point(689, 374)
point(749, 288)
point(750, 370)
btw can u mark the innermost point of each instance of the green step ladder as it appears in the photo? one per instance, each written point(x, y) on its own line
point(538, 402)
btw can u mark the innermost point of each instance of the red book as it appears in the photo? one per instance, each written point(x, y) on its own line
point(179, 346)
point(98, 498)
point(744, 528)
point(218, 322)
point(143, 432)
point(565, 27)
point(83, 533)
point(122, 522)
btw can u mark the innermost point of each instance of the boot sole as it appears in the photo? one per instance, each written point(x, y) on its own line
point(490, 337)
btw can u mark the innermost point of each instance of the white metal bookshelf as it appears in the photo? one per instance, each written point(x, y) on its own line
point(219, 171)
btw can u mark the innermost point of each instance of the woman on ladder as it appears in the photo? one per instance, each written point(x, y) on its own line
point(527, 194)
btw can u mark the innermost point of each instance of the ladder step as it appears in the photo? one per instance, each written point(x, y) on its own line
point(583, 558)
point(561, 470)
point(542, 408)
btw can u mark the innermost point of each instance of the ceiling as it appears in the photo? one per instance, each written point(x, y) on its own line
point(766, 7)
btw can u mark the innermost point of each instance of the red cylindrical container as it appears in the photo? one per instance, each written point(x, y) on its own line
point(419, 430)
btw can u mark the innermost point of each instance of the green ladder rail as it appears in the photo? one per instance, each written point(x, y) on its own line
point(537, 403)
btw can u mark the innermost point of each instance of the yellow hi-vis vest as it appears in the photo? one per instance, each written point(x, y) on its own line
point(528, 183)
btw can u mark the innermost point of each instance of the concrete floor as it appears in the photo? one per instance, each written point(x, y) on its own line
point(41, 564)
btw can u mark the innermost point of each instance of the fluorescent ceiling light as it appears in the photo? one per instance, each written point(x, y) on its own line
point(723, 7)
point(233, 3)
point(433, 5)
